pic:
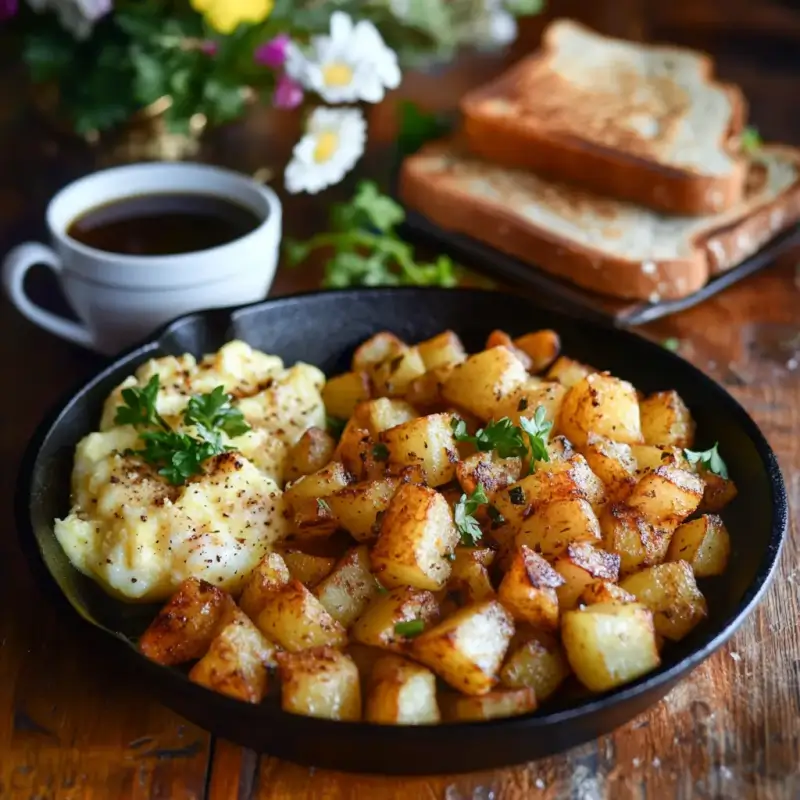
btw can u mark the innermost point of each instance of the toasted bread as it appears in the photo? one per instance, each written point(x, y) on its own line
point(639, 122)
point(605, 245)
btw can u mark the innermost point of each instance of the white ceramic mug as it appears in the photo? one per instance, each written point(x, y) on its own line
point(120, 299)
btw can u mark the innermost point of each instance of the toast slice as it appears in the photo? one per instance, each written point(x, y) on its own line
point(643, 123)
point(605, 245)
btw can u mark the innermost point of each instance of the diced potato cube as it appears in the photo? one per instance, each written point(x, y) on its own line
point(236, 662)
point(426, 442)
point(445, 349)
point(603, 405)
point(383, 413)
point(347, 591)
point(467, 648)
point(489, 470)
point(494, 705)
point(522, 403)
point(704, 543)
point(312, 452)
point(649, 457)
point(320, 683)
point(401, 693)
point(484, 379)
point(528, 590)
point(342, 393)
point(609, 645)
point(365, 658)
point(296, 620)
point(269, 576)
point(392, 377)
point(542, 347)
point(376, 350)
point(185, 627)
point(636, 541)
point(470, 577)
point(500, 338)
point(358, 508)
point(554, 525)
point(568, 372)
point(357, 452)
point(307, 568)
point(417, 534)
point(305, 500)
point(559, 448)
point(376, 626)
point(613, 463)
point(601, 591)
point(426, 390)
point(669, 590)
point(538, 663)
point(666, 494)
point(579, 565)
point(718, 492)
point(666, 420)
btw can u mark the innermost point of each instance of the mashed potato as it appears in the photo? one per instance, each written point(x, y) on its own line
point(138, 535)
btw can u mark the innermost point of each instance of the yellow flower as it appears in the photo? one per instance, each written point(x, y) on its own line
point(226, 15)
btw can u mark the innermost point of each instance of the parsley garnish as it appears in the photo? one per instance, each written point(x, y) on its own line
point(322, 505)
point(380, 452)
point(537, 429)
point(495, 516)
point(464, 510)
point(335, 426)
point(381, 588)
point(709, 460)
point(140, 407)
point(214, 410)
point(410, 629)
point(517, 496)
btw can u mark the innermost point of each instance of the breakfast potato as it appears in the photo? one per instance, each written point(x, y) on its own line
point(704, 543)
point(296, 620)
point(609, 644)
point(320, 683)
point(530, 396)
point(347, 591)
point(236, 662)
point(401, 693)
point(559, 448)
point(307, 568)
point(444, 349)
point(667, 494)
point(185, 627)
point(718, 492)
point(650, 457)
point(312, 452)
point(392, 377)
point(383, 413)
point(528, 590)
point(269, 576)
point(493, 705)
point(304, 498)
point(538, 663)
point(601, 591)
point(637, 542)
point(359, 507)
point(416, 537)
point(467, 648)
point(612, 462)
point(376, 627)
point(470, 574)
point(579, 565)
point(542, 347)
point(568, 372)
point(554, 525)
point(489, 470)
point(666, 420)
point(426, 442)
point(483, 379)
point(669, 590)
point(603, 405)
point(498, 338)
point(342, 393)
point(377, 349)
point(357, 451)
point(425, 392)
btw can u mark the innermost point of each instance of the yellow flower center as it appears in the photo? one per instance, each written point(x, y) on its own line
point(327, 145)
point(337, 74)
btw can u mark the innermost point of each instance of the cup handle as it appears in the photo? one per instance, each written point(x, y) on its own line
point(16, 265)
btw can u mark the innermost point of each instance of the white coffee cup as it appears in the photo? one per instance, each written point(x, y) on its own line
point(120, 299)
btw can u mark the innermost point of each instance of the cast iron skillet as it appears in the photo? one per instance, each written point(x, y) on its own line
point(323, 329)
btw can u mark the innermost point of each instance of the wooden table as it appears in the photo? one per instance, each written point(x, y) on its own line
point(77, 725)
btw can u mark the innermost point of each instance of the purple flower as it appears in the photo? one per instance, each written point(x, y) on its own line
point(209, 47)
point(288, 93)
point(273, 53)
point(7, 9)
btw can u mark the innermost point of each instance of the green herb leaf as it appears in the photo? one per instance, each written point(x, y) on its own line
point(517, 496)
point(750, 140)
point(672, 344)
point(178, 455)
point(417, 127)
point(214, 410)
point(380, 452)
point(378, 209)
point(537, 429)
point(322, 505)
point(501, 436)
point(495, 516)
point(410, 628)
point(335, 426)
point(464, 510)
point(381, 588)
point(709, 460)
point(140, 406)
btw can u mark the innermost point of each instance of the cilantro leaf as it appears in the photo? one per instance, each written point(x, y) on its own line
point(140, 406)
point(537, 429)
point(464, 510)
point(214, 410)
point(709, 460)
point(410, 628)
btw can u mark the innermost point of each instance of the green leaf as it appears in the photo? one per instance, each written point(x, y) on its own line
point(501, 436)
point(522, 8)
point(151, 78)
point(322, 505)
point(214, 410)
point(295, 252)
point(672, 344)
point(464, 510)
point(750, 140)
point(417, 127)
point(709, 460)
point(537, 429)
point(378, 209)
point(140, 406)
point(410, 628)
point(380, 452)
point(335, 426)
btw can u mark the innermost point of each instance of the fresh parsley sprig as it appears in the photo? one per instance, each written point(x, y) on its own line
point(464, 511)
point(140, 407)
point(537, 429)
point(709, 460)
point(410, 628)
point(214, 411)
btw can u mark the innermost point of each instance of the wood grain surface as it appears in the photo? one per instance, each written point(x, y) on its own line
point(76, 724)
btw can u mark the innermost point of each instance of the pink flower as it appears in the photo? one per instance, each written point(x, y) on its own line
point(288, 93)
point(209, 47)
point(273, 53)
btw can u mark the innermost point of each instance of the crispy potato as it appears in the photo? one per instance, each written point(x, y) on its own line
point(649, 457)
point(296, 620)
point(603, 405)
point(401, 693)
point(704, 544)
point(669, 590)
point(538, 663)
point(718, 492)
point(637, 542)
point(523, 402)
point(609, 644)
point(568, 372)
point(426, 390)
point(236, 662)
point(445, 349)
point(320, 683)
point(601, 591)
point(347, 591)
point(493, 705)
point(185, 627)
point(307, 568)
point(357, 452)
point(342, 393)
point(554, 525)
point(313, 450)
point(470, 576)
point(467, 648)
point(305, 500)
point(542, 347)
point(359, 507)
point(426, 442)
point(376, 626)
point(666, 420)
point(383, 413)
point(269, 576)
point(528, 590)
point(483, 379)
point(613, 463)
point(668, 494)
point(579, 565)
point(499, 338)
point(489, 470)
point(417, 534)
point(365, 658)
point(376, 350)
point(559, 448)
point(392, 377)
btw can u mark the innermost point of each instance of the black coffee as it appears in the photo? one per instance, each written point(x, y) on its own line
point(163, 224)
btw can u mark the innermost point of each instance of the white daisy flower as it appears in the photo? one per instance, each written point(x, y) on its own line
point(77, 16)
point(352, 63)
point(332, 144)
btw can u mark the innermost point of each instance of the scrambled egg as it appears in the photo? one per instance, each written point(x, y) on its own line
point(139, 536)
